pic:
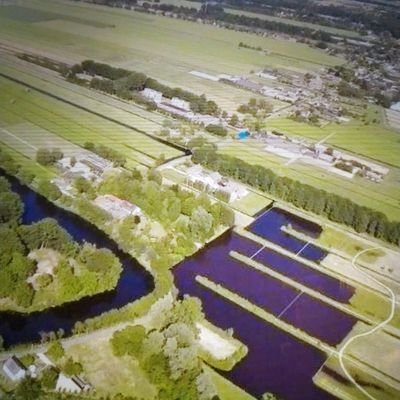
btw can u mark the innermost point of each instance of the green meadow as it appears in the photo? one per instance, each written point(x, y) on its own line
point(164, 48)
point(373, 140)
point(23, 110)
point(382, 196)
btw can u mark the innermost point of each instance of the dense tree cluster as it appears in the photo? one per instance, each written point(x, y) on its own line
point(187, 219)
point(254, 107)
point(318, 201)
point(10, 166)
point(95, 270)
point(46, 156)
point(106, 152)
point(125, 83)
point(169, 355)
point(218, 130)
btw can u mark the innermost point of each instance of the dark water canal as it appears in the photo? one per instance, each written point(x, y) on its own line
point(134, 282)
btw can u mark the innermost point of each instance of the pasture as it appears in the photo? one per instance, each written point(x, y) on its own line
point(382, 197)
point(128, 113)
point(73, 124)
point(373, 140)
point(164, 48)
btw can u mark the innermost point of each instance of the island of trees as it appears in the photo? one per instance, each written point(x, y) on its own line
point(40, 264)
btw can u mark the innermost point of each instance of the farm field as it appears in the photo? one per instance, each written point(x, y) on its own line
point(36, 76)
point(164, 48)
point(374, 141)
point(358, 189)
point(74, 125)
point(334, 31)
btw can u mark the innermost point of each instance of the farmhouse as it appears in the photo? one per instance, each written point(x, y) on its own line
point(179, 103)
point(116, 207)
point(88, 165)
point(215, 182)
point(71, 384)
point(152, 95)
point(14, 369)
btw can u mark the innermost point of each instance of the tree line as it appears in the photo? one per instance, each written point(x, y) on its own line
point(379, 20)
point(336, 208)
point(124, 83)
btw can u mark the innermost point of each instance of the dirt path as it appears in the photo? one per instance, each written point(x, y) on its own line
point(371, 331)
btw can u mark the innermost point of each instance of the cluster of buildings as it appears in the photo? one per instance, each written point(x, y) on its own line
point(322, 156)
point(14, 370)
point(179, 107)
point(85, 164)
point(309, 94)
point(213, 182)
point(118, 208)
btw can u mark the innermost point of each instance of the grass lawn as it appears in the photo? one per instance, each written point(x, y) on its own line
point(374, 305)
point(164, 48)
point(334, 238)
point(226, 389)
point(382, 197)
point(378, 350)
point(111, 375)
point(337, 384)
point(252, 203)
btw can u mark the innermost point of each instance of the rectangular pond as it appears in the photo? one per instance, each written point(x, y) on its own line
point(268, 225)
point(277, 361)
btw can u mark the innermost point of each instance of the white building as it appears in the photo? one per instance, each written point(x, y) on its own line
point(71, 384)
point(152, 95)
point(215, 182)
point(118, 208)
point(14, 369)
point(179, 103)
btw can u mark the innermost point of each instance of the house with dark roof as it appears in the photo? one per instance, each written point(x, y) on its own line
point(14, 369)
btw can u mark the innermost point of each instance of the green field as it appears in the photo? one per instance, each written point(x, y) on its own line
point(382, 197)
point(44, 114)
point(337, 384)
point(164, 48)
point(333, 31)
point(373, 140)
point(252, 203)
point(128, 113)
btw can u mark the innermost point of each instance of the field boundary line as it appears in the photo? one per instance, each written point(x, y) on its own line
point(19, 139)
point(371, 331)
